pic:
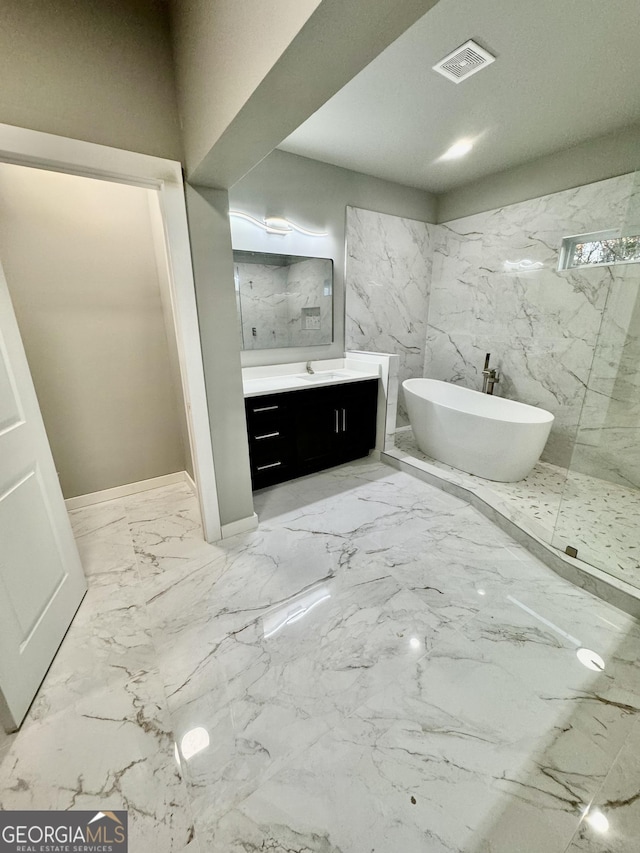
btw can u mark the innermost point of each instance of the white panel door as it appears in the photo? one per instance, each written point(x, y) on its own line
point(41, 578)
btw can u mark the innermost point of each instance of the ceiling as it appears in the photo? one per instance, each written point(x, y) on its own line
point(566, 71)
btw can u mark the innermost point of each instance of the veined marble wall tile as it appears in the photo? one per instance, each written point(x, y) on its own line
point(524, 375)
point(306, 282)
point(271, 298)
point(608, 439)
point(540, 325)
point(263, 304)
point(388, 274)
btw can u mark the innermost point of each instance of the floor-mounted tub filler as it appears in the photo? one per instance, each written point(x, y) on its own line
point(484, 435)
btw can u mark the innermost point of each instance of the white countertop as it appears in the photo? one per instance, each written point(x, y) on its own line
point(255, 387)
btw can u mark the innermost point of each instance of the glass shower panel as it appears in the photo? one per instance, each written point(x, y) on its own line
point(599, 513)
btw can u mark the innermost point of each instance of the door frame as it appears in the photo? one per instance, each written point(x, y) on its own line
point(24, 147)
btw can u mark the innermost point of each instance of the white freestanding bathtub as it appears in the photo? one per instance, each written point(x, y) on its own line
point(478, 433)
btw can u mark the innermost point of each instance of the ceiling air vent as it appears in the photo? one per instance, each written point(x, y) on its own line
point(464, 61)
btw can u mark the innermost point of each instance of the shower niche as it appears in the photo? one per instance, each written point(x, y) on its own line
point(283, 300)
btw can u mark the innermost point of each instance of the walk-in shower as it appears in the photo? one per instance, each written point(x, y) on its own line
point(599, 505)
point(552, 287)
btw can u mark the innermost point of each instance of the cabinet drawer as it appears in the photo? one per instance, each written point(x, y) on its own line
point(266, 417)
point(268, 471)
point(260, 409)
point(270, 450)
point(266, 433)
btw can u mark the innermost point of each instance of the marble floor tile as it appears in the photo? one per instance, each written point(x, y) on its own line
point(113, 749)
point(104, 540)
point(453, 565)
point(277, 685)
point(165, 527)
point(611, 824)
point(391, 784)
point(109, 641)
point(376, 667)
point(530, 634)
point(562, 507)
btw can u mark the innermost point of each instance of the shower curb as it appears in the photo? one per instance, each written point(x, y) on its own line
point(593, 580)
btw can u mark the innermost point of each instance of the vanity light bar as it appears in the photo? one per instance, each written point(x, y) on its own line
point(277, 225)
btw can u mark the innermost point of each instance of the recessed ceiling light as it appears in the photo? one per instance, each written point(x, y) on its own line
point(458, 149)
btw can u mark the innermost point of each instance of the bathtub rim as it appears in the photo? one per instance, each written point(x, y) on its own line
point(547, 416)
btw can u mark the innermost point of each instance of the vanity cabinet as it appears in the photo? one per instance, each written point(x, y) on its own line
point(299, 432)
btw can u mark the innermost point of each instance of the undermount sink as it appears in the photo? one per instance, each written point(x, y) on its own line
point(323, 376)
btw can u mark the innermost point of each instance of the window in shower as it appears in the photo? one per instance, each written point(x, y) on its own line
point(599, 249)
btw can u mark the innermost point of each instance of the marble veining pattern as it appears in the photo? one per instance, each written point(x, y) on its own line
point(562, 507)
point(544, 328)
point(377, 667)
point(271, 299)
point(388, 274)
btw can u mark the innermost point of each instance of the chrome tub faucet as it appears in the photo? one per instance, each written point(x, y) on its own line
point(490, 376)
point(310, 369)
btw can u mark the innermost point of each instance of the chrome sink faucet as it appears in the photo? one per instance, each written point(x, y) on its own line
point(490, 376)
point(310, 369)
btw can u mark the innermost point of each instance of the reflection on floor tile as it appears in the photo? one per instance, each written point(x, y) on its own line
point(598, 518)
point(610, 824)
point(377, 667)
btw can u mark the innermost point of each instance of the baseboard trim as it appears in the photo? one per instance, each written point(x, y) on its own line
point(242, 525)
point(128, 489)
point(190, 482)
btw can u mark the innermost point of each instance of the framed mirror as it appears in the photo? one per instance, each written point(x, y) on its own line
point(283, 300)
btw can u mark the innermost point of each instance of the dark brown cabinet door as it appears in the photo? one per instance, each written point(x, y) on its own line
point(358, 411)
point(317, 430)
point(300, 432)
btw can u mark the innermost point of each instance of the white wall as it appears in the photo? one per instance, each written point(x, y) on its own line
point(97, 70)
point(80, 262)
point(315, 195)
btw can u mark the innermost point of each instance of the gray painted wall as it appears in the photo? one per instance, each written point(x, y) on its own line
point(315, 195)
point(97, 70)
point(164, 284)
point(250, 73)
point(607, 156)
point(207, 210)
point(80, 262)
point(223, 51)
